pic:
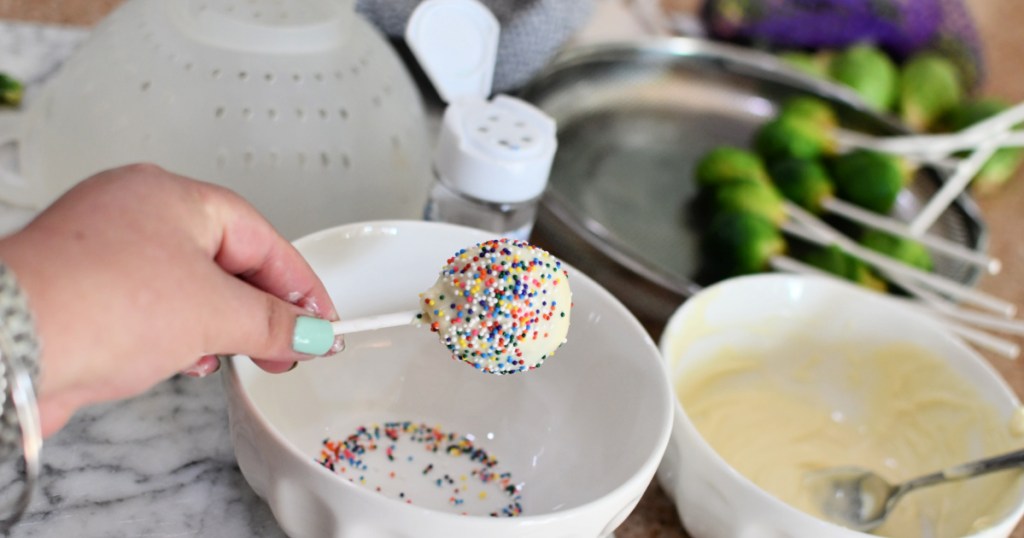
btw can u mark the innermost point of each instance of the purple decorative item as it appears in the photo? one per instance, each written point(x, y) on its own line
point(901, 27)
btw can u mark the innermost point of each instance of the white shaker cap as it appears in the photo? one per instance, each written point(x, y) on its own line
point(456, 44)
point(498, 151)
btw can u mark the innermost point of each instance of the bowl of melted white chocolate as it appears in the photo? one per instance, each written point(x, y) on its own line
point(778, 377)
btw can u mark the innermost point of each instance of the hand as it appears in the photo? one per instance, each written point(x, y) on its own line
point(136, 273)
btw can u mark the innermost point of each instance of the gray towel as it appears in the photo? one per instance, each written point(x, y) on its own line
point(532, 31)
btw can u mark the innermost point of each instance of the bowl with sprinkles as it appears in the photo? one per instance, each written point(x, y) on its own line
point(418, 429)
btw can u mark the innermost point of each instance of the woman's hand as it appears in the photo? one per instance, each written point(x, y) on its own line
point(136, 274)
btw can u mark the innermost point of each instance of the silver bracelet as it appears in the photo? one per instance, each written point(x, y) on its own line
point(20, 427)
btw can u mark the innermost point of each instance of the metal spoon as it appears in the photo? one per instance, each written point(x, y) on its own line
point(861, 500)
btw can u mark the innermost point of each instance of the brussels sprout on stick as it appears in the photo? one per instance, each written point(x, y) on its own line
point(867, 177)
point(806, 226)
point(11, 90)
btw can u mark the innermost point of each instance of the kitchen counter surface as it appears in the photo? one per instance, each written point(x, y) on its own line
point(161, 464)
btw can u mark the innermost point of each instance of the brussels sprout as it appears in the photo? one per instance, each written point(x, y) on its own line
point(835, 260)
point(1005, 162)
point(815, 65)
point(805, 183)
point(757, 197)
point(870, 179)
point(870, 72)
point(810, 109)
point(727, 164)
point(788, 137)
point(905, 250)
point(741, 243)
point(11, 91)
point(929, 87)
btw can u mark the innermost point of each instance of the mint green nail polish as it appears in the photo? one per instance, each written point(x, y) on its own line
point(313, 336)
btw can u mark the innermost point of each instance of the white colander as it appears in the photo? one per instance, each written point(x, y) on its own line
point(298, 105)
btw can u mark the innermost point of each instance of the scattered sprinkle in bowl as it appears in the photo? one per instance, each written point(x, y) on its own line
point(778, 377)
point(394, 438)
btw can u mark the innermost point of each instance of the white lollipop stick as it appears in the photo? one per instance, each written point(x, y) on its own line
point(936, 243)
point(890, 265)
point(952, 188)
point(372, 323)
point(979, 338)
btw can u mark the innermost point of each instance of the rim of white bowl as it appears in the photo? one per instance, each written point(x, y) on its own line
point(645, 472)
point(1012, 516)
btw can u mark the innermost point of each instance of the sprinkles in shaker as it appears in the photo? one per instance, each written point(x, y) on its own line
point(501, 305)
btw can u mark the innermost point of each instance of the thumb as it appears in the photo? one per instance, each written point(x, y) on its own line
point(266, 327)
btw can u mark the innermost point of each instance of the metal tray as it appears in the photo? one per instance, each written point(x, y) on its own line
point(634, 118)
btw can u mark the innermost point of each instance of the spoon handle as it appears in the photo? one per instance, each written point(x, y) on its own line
point(967, 470)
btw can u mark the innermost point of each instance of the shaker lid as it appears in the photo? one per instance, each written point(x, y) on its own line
point(498, 151)
point(456, 43)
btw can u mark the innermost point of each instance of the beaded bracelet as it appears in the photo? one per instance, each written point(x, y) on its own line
point(19, 367)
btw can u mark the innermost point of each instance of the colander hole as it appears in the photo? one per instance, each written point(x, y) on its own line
point(222, 158)
point(339, 74)
point(215, 73)
point(520, 124)
point(219, 112)
point(396, 142)
point(272, 114)
point(257, 14)
point(300, 113)
point(302, 160)
point(493, 118)
point(526, 139)
point(188, 66)
point(247, 158)
point(345, 161)
point(274, 158)
point(376, 100)
point(482, 129)
point(343, 113)
point(247, 113)
point(283, 15)
point(230, 9)
point(503, 142)
point(297, 77)
point(355, 70)
point(323, 113)
point(318, 76)
point(386, 89)
point(325, 160)
point(269, 77)
point(243, 75)
point(144, 86)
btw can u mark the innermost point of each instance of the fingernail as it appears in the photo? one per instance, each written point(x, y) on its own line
point(294, 365)
point(313, 336)
point(205, 366)
point(339, 344)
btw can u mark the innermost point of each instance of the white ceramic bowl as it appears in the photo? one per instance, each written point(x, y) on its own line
point(584, 433)
point(713, 499)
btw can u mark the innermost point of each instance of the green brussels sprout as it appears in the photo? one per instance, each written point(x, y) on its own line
point(741, 243)
point(905, 250)
point(929, 87)
point(805, 183)
point(727, 164)
point(836, 261)
point(870, 72)
point(756, 197)
point(11, 90)
point(870, 179)
point(810, 109)
point(815, 65)
point(1005, 162)
point(787, 137)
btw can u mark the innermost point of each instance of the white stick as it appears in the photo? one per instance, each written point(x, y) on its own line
point(938, 244)
point(952, 188)
point(981, 339)
point(371, 323)
point(887, 264)
point(930, 148)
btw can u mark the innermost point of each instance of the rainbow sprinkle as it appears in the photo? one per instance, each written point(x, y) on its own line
point(351, 457)
point(501, 305)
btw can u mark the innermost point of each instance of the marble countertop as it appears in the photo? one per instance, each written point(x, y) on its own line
point(162, 465)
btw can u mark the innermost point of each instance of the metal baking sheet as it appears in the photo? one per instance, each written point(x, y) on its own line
point(634, 118)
